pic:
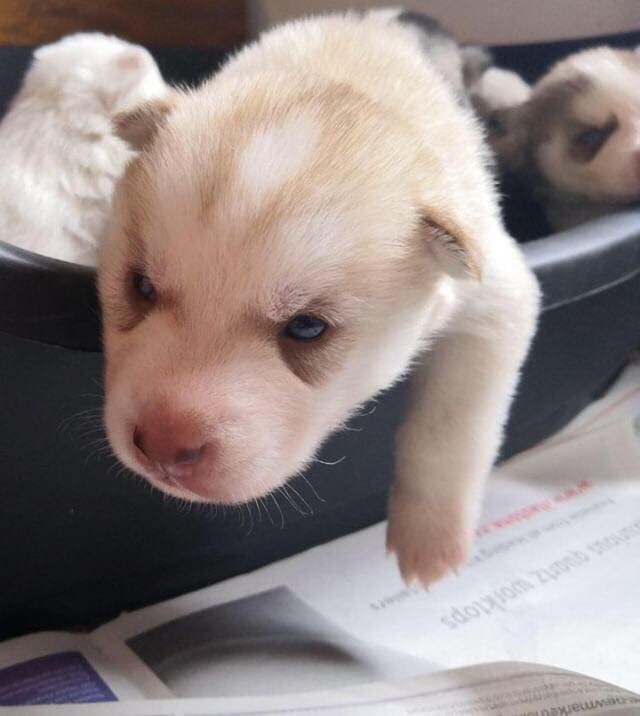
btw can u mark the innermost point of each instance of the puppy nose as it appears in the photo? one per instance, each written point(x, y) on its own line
point(170, 440)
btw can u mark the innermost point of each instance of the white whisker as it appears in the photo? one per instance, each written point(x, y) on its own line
point(330, 462)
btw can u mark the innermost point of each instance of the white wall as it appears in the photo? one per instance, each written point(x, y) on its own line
point(494, 22)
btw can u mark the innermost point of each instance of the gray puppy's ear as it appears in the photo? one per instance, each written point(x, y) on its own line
point(476, 60)
point(138, 126)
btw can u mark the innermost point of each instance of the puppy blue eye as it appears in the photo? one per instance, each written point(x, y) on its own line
point(305, 328)
point(143, 287)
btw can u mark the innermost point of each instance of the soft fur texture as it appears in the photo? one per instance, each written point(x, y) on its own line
point(545, 138)
point(497, 89)
point(327, 169)
point(60, 155)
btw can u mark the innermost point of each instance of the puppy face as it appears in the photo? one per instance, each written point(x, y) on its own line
point(593, 148)
point(95, 72)
point(269, 269)
point(581, 128)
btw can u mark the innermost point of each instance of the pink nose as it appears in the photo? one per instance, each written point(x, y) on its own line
point(170, 440)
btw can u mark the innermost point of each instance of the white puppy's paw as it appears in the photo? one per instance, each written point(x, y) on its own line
point(429, 540)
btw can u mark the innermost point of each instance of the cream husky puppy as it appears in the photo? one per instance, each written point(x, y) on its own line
point(60, 156)
point(295, 234)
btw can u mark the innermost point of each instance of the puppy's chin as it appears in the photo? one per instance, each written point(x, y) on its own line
point(210, 483)
point(214, 488)
point(618, 195)
point(625, 195)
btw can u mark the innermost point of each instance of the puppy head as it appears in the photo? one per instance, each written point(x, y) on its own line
point(269, 270)
point(94, 73)
point(580, 130)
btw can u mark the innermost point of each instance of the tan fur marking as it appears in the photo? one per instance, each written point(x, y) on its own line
point(334, 107)
point(313, 361)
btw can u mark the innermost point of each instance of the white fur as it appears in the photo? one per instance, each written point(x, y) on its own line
point(275, 154)
point(60, 157)
point(500, 88)
point(347, 237)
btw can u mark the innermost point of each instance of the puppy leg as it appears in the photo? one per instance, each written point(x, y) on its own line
point(449, 440)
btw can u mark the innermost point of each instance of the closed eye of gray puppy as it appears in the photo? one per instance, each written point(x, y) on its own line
point(294, 235)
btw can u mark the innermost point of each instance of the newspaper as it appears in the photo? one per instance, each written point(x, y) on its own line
point(507, 689)
point(554, 580)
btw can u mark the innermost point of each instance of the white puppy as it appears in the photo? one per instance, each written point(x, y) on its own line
point(576, 138)
point(60, 156)
point(293, 236)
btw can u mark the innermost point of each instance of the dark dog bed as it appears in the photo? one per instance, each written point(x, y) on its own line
point(79, 542)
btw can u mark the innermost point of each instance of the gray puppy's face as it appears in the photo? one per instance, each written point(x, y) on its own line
point(580, 130)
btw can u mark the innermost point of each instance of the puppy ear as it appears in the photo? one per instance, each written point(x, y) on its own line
point(131, 59)
point(500, 88)
point(455, 252)
point(476, 60)
point(139, 126)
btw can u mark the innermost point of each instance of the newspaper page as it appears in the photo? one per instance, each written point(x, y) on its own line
point(505, 689)
point(59, 667)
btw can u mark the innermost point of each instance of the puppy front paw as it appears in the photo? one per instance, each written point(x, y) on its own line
point(429, 540)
